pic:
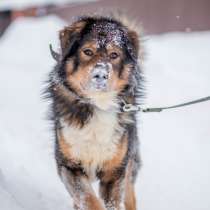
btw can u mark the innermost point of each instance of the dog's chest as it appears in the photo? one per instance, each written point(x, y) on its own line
point(96, 142)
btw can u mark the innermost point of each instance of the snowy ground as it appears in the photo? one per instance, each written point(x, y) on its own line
point(175, 144)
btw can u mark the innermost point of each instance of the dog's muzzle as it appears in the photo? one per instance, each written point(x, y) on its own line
point(100, 76)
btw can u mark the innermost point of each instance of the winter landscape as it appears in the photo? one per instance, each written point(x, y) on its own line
point(175, 144)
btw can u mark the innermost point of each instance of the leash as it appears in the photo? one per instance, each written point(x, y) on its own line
point(134, 108)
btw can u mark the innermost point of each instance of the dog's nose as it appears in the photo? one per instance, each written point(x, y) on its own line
point(100, 73)
point(100, 76)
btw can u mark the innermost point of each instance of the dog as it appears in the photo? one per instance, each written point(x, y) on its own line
point(96, 74)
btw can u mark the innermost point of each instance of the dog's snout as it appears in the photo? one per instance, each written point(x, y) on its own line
point(100, 72)
point(102, 66)
point(100, 75)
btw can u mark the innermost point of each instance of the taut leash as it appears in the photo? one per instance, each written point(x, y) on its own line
point(134, 108)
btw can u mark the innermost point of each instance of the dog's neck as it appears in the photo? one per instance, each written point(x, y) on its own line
point(79, 110)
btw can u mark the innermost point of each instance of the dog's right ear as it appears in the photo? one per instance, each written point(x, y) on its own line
point(69, 35)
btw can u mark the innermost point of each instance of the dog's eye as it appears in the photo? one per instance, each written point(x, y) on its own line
point(113, 55)
point(88, 52)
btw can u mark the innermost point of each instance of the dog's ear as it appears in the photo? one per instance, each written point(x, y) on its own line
point(133, 44)
point(133, 36)
point(69, 34)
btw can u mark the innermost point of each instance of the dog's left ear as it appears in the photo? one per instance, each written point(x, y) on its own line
point(133, 45)
point(69, 35)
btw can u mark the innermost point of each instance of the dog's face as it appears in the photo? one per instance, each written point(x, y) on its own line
point(99, 56)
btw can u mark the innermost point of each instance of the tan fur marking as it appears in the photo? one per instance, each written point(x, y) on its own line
point(69, 67)
point(93, 203)
point(116, 160)
point(64, 147)
point(130, 199)
point(117, 83)
point(79, 79)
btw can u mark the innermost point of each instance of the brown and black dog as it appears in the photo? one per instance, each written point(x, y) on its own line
point(97, 72)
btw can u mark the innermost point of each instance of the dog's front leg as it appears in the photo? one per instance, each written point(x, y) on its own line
point(80, 189)
point(112, 192)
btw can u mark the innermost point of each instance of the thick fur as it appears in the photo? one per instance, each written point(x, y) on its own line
point(94, 138)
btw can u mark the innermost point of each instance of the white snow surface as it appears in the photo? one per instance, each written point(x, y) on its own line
point(175, 144)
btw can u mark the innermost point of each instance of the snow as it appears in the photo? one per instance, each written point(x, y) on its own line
point(174, 144)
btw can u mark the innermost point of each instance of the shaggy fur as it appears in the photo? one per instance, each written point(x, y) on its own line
point(94, 138)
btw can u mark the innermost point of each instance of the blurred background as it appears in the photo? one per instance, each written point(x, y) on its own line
point(157, 16)
point(175, 144)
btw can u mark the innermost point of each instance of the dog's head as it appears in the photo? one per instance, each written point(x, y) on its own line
point(99, 59)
